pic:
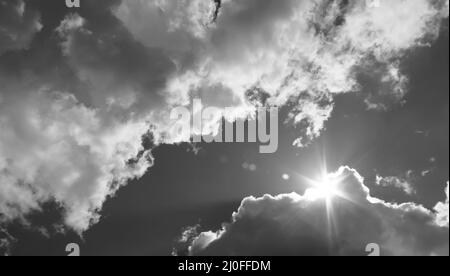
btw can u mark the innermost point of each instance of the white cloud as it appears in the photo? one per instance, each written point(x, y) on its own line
point(442, 211)
point(54, 148)
point(292, 224)
point(78, 148)
point(300, 51)
point(397, 182)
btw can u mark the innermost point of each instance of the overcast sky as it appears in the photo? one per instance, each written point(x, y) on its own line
point(88, 153)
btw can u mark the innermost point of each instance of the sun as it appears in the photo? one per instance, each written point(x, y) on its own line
point(324, 188)
point(328, 186)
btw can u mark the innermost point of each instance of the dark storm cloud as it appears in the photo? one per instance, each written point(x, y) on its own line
point(291, 224)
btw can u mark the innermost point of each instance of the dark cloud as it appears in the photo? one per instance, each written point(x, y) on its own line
point(18, 25)
point(113, 65)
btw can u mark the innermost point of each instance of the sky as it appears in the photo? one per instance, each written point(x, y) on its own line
point(90, 155)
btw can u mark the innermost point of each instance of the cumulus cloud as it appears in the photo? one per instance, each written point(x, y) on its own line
point(76, 144)
point(396, 182)
point(54, 148)
point(292, 224)
point(442, 211)
point(299, 52)
point(77, 148)
point(18, 25)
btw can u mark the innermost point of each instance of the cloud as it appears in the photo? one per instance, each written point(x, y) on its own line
point(119, 72)
point(187, 237)
point(292, 224)
point(295, 52)
point(54, 148)
point(18, 25)
point(442, 211)
point(397, 182)
point(77, 144)
point(6, 243)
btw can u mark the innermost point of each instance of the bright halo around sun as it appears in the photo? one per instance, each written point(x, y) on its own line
point(327, 187)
